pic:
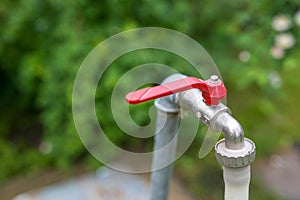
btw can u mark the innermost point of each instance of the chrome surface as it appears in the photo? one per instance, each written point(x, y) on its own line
point(232, 130)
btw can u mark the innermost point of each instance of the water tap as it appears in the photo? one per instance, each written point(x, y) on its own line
point(203, 98)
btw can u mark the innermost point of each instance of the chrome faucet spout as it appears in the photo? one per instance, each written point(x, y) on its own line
point(232, 130)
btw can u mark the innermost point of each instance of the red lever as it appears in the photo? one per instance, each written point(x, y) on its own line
point(213, 90)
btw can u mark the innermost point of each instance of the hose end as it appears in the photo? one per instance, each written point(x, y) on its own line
point(235, 158)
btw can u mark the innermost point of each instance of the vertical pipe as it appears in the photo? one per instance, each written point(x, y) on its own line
point(236, 183)
point(166, 129)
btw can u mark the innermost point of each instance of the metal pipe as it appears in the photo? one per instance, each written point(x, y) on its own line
point(167, 123)
point(166, 129)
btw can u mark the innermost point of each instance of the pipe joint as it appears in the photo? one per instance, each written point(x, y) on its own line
point(235, 158)
point(234, 150)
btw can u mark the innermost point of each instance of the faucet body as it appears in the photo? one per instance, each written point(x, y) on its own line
point(216, 117)
point(234, 152)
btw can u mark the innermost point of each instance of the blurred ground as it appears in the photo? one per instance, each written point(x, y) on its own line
point(281, 173)
point(105, 184)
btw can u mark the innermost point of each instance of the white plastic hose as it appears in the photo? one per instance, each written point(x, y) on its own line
point(236, 183)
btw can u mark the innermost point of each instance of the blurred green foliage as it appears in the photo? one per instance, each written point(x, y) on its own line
point(42, 44)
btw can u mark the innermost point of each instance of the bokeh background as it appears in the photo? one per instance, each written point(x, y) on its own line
point(255, 45)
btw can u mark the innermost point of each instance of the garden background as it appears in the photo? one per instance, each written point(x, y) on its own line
point(255, 45)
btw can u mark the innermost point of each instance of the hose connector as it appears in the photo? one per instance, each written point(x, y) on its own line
point(235, 158)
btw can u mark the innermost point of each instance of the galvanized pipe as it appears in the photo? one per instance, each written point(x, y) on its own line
point(166, 129)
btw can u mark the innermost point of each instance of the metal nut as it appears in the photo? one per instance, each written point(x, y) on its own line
point(235, 158)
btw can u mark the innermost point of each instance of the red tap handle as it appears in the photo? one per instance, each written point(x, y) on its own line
point(213, 90)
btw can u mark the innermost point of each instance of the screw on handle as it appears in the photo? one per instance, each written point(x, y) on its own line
point(213, 90)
